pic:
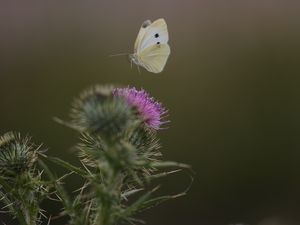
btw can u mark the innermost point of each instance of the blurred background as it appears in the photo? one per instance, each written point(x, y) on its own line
point(231, 86)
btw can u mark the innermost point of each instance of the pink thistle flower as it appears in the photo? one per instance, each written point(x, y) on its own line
point(148, 109)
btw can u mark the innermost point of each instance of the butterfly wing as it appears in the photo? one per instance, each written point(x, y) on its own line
point(154, 57)
point(155, 33)
point(141, 34)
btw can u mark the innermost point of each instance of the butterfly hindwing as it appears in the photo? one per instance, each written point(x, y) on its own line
point(154, 57)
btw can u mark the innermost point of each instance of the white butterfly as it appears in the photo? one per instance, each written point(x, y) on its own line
point(151, 49)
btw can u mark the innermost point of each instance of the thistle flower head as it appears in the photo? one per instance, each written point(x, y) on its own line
point(148, 109)
point(97, 111)
point(16, 154)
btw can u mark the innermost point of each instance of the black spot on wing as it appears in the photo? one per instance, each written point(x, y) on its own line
point(158, 42)
point(156, 35)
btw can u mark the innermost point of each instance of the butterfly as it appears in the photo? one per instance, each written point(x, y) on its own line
point(151, 48)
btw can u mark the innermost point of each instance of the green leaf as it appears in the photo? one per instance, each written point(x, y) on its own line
point(65, 199)
point(158, 200)
point(128, 193)
point(166, 164)
point(136, 206)
point(67, 166)
point(160, 175)
point(67, 124)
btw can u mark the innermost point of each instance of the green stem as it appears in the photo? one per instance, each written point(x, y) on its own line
point(29, 217)
point(27, 196)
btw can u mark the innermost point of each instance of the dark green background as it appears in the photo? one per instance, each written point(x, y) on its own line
point(231, 86)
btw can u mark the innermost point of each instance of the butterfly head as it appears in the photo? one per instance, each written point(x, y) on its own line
point(133, 58)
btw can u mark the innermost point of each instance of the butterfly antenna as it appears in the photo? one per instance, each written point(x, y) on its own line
point(119, 54)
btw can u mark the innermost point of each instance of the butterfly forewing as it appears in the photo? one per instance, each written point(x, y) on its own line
point(141, 34)
point(155, 33)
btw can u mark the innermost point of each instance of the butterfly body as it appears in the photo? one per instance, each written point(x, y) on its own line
point(151, 48)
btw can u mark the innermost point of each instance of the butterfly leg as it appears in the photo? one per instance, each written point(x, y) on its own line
point(139, 69)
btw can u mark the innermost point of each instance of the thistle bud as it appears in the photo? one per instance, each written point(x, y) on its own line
point(145, 141)
point(98, 111)
point(17, 154)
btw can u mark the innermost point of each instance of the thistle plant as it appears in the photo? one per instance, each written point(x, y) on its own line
point(21, 187)
point(119, 153)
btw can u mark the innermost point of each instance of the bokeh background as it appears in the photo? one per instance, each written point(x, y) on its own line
point(232, 87)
